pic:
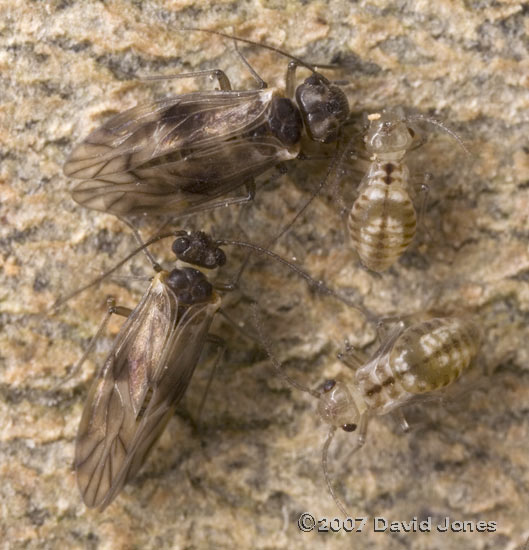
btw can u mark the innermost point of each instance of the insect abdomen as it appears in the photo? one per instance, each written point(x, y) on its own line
point(382, 220)
point(430, 355)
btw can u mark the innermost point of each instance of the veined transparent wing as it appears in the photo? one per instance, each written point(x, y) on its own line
point(178, 153)
point(136, 391)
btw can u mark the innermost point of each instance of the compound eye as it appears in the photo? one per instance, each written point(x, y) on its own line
point(328, 385)
point(180, 245)
point(332, 107)
point(349, 427)
point(214, 258)
point(411, 132)
point(220, 257)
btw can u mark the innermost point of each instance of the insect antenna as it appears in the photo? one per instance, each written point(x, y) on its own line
point(265, 343)
point(61, 301)
point(335, 163)
point(318, 286)
point(261, 84)
point(328, 481)
point(137, 236)
point(443, 127)
point(253, 43)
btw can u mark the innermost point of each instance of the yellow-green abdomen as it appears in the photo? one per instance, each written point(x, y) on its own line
point(430, 355)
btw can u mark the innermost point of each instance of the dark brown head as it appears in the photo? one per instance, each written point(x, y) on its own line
point(324, 108)
point(198, 248)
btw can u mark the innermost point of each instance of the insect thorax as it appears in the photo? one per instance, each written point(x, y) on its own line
point(284, 120)
point(389, 172)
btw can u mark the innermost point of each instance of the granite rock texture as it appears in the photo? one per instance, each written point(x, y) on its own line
point(244, 478)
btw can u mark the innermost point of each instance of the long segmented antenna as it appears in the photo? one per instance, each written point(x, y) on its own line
point(265, 343)
point(280, 371)
point(61, 301)
point(444, 128)
point(324, 458)
point(319, 286)
point(253, 43)
point(336, 162)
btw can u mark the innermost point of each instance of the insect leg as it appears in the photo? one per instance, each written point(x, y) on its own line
point(424, 190)
point(351, 357)
point(387, 335)
point(112, 309)
point(219, 74)
point(137, 236)
point(290, 79)
point(281, 169)
point(221, 348)
point(245, 333)
point(278, 367)
point(250, 187)
point(235, 282)
point(361, 437)
point(360, 440)
point(261, 84)
point(402, 420)
point(120, 310)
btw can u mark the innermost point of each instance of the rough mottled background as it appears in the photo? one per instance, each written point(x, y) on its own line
point(243, 480)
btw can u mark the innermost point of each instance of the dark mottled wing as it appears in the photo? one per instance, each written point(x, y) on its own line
point(176, 154)
point(136, 391)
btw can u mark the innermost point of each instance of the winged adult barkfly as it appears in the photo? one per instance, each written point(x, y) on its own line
point(150, 364)
point(145, 374)
point(413, 361)
point(188, 153)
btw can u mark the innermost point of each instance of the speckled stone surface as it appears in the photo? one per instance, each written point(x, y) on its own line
point(243, 480)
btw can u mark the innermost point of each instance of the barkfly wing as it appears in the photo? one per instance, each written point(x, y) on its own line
point(179, 154)
point(187, 153)
point(412, 362)
point(142, 380)
point(151, 363)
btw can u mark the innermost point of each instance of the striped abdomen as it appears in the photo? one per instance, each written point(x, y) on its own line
point(430, 355)
point(382, 220)
point(425, 357)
